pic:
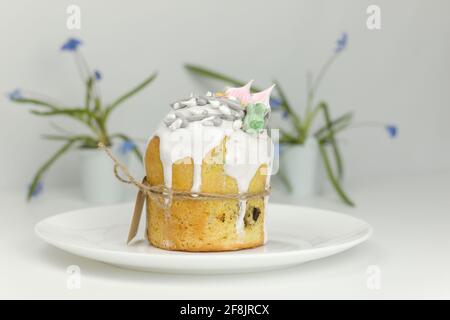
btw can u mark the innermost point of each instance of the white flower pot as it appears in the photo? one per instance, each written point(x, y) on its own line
point(303, 167)
point(99, 185)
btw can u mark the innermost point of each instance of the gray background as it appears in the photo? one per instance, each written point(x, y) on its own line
point(399, 74)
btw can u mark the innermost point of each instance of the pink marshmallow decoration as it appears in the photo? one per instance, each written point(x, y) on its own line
point(244, 95)
point(263, 96)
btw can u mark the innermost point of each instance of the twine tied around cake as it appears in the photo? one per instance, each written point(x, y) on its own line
point(158, 193)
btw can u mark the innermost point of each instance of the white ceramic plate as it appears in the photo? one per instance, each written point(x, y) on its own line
point(296, 235)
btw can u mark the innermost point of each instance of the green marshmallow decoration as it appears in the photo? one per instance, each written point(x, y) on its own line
point(254, 119)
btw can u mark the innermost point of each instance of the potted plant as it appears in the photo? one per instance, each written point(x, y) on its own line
point(98, 184)
point(309, 149)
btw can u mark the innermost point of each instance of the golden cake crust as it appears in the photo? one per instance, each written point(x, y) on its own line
point(203, 225)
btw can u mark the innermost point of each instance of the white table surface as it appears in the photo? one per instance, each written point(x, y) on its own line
point(410, 246)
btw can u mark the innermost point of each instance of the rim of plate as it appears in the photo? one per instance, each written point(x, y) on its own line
point(367, 232)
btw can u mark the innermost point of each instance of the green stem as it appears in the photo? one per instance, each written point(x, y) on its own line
point(309, 119)
point(326, 135)
point(326, 113)
point(316, 83)
point(130, 93)
point(212, 74)
point(103, 132)
point(36, 102)
point(68, 138)
point(287, 107)
point(75, 113)
point(288, 138)
point(72, 112)
point(46, 165)
point(337, 124)
point(88, 96)
point(334, 181)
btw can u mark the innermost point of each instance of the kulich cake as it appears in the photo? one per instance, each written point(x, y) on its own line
point(216, 144)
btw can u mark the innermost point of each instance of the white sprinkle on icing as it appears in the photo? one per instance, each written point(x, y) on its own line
point(190, 103)
point(237, 124)
point(177, 105)
point(225, 109)
point(171, 116)
point(208, 119)
point(214, 103)
point(198, 111)
point(207, 122)
point(176, 124)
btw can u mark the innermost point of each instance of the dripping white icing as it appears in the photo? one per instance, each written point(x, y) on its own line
point(266, 208)
point(195, 142)
point(240, 220)
point(199, 124)
point(245, 153)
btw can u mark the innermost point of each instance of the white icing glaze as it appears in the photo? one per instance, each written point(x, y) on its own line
point(240, 220)
point(194, 142)
point(266, 208)
point(245, 153)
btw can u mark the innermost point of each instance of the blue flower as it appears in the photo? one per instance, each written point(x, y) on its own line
point(126, 147)
point(341, 43)
point(275, 103)
point(392, 130)
point(15, 95)
point(71, 44)
point(38, 189)
point(98, 75)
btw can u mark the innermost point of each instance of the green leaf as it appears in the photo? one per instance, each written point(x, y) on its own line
point(316, 83)
point(283, 97)
point(88, 141)
point(46, 165)
point(72, 112)
point(288, 138)
point(286, 106)
point(326, 136)
point(339, 123)
point(322, 106)
point(204, 72)
point(97, 105)
point(88, 97)
point(75, 113)
point(334, 181)
point(56, 137)
point(129, 94)
point(36, 102)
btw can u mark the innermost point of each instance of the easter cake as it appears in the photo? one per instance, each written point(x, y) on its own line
point(217, 147)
